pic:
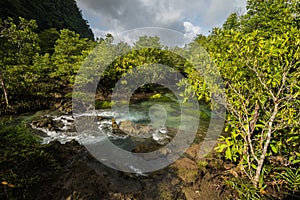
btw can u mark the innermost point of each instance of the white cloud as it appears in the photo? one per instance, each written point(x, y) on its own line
point(120, 15)
point(190, 30)
point(168, 37)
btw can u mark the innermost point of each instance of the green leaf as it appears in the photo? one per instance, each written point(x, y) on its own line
point(221, 147)
point(253, 166)
point(228, 154)
point(274, 149)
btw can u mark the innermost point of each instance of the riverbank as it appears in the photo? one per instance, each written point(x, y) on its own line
point(68, 171)
point(31, 170)
point(60, 102)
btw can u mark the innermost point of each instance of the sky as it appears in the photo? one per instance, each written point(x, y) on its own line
point(189, 17)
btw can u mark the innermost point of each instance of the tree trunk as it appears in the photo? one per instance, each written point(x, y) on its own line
point(4, 89)
point(266, 146)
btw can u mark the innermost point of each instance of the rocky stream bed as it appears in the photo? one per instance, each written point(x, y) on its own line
point(81, 176)
point(67, 170)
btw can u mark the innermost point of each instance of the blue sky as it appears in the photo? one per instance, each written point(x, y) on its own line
point(190, 17)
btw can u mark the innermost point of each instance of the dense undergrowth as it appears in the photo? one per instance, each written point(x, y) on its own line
point(22, 158)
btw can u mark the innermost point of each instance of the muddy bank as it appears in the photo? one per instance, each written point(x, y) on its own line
point(75, 174)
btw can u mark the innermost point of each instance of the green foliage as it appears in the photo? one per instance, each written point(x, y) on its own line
point(232, 22)
point(156, 96)
point(231, 146)
point(203, 78)
point(103, 104)
point(21, 157)
point(274, 16)
point(69, 53)
point(146, 42)
point(291, 180)
point(48, 38)
point(19, 45)
point(245, 189)
point(262, 97)
point(112, 62)
point(258, 57)
point(18, 41)
point(29, 78)
point(17, 135)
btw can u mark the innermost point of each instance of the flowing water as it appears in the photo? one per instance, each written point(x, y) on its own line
point(161, 115)
point(165, 116)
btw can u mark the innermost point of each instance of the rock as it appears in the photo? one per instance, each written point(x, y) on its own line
point(45, 121)
point(52, 123)
point(188, 170)
point(190, 194)
point(64, 106)
point(73, 173)
point(99, 118)
point(147, 146)
point(56, 126)
point(115, 128)
point(114, 124)
point(161, 138)
point(165, 151)
point(135, 130)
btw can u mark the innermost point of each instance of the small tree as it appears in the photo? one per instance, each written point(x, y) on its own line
point(262, 78)
point(69, 53)
point(259, 62)
point(18, 45)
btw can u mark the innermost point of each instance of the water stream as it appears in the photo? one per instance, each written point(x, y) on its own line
point(162, 115)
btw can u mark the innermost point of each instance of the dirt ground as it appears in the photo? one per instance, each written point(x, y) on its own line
point(83, 177)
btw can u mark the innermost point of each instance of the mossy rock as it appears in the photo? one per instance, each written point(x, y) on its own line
point(156, 96)
point(103, 104)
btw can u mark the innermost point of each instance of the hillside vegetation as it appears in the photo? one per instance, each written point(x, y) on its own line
point(58, 14)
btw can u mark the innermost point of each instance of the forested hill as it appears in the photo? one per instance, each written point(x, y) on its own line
point(57, 14)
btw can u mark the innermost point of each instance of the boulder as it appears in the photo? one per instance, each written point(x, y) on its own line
point(136, 130)
point(44, 122)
